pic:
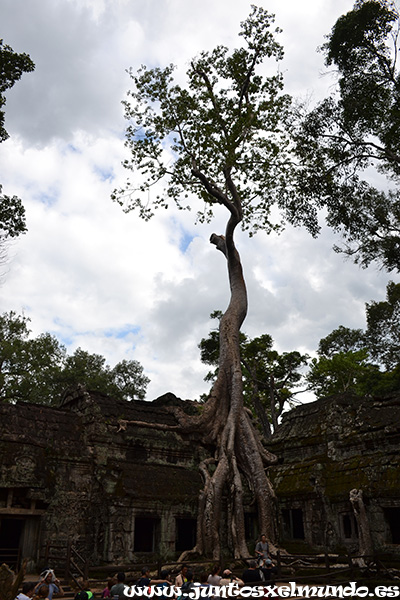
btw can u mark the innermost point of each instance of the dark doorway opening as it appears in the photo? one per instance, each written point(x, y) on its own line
point(11, 530)
point(293, 527)
point(250, 526)
point(185, 534)
point(146, 534)
point(393, 520)
point(349, 526)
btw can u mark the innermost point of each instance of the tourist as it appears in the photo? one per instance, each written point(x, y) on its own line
point(144, 580)
point(269, 570)
point(187, 586)
point(203, 580)
point(262, 550)
point(85, 593)
point(165, 582)
point(27, 591)
point(214, 578)
point(181, 578)
point(47, 577)
point(117, 590)
point(252, 574)
point(106, 593)
point(42, 593)
point(228, 577)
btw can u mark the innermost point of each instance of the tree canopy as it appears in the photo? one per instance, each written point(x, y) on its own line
point(348, 147)
point(39, 369)
point(220, 138)
point(12, 66)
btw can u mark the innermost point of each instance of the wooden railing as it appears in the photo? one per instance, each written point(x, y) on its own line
point(66, 557)
point(11, 556)
point(322, 567)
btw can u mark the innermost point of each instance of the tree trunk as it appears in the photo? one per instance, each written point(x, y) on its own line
point(225, 425)
point(365, 546)
point(238, 447)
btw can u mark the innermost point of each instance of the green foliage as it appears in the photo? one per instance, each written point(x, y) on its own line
point(341, 339)
point(12, 216)
point(270, 379)
point(343, 372)
point(219, 138)
point(362, 363)
point(12, 66)
point(383, 328)
point(356, 130)
point(39, 370)
point(125, 380)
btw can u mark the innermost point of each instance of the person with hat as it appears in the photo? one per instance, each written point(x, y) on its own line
point(47, 577)
point(268, 570)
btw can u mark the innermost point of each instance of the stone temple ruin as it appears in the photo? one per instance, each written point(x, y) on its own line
point(130, 494)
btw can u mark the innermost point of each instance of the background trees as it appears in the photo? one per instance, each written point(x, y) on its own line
point(348, 146)
point(270, 380)
point(12, 213)
point(39, 369)
point(365, 363)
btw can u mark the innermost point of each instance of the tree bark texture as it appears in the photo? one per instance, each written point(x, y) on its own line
point(238, 449)
point(365, 546)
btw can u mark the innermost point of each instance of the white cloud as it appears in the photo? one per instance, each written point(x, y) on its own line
point(106, 281)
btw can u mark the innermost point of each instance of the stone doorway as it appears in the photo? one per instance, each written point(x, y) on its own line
point(185, 537)
point(147, 534)
point(393, 520)
point(11, 534)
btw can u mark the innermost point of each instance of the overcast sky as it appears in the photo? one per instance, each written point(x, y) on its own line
point(105, 281)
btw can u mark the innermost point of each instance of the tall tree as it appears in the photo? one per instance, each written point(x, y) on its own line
point(12, 212)
point(219, 139)
point(351, 139)
point(271, 379)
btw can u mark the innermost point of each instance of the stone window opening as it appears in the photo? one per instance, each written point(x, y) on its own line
point(251, 526)
point(147, 534)
point(392, 517)
point(185, 533)
point(348, 526)
point(293, 524)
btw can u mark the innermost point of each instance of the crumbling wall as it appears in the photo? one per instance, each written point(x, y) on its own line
point(326, 449)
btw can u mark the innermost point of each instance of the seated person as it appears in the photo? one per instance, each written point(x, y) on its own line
point(252, 574)
point(268, 569)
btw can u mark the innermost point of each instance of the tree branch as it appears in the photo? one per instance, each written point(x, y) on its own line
point(214, 191)
point(210, 90)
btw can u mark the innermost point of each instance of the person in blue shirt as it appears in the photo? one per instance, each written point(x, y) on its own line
point(48, 578)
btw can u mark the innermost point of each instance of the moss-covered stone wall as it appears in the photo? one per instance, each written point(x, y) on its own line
point(326, 449)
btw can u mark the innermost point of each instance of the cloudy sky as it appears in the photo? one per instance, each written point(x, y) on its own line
point(105, 281)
